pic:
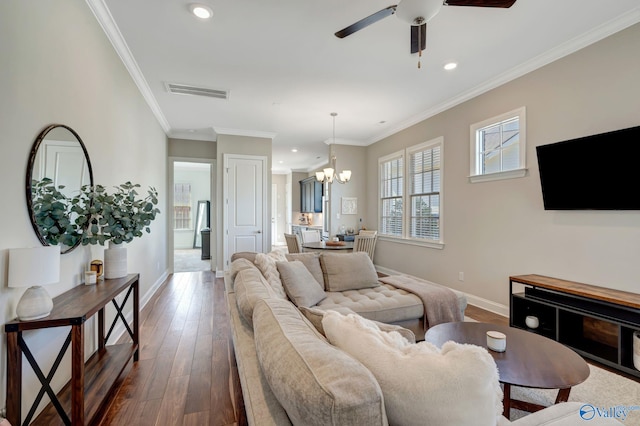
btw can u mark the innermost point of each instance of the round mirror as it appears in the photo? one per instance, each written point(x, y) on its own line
point(58, 167)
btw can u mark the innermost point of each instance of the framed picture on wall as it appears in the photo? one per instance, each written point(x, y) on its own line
point(349, 205)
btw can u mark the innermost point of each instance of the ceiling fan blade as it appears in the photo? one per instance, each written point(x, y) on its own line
point(480, 3)
point(371, 19)
point(414, 37)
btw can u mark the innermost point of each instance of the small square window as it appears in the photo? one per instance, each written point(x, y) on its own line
point(498, 147)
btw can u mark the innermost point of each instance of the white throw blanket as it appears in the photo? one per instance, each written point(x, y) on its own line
point(440, 303)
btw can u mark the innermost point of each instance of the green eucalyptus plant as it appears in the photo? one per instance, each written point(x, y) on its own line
point(118, 217)
point(52, 213)
point(93, 216)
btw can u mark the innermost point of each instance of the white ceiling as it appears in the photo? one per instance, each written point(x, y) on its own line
point(286, 71)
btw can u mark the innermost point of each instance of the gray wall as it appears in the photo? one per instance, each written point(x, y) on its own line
point(349, 158)
point(192, 149)
point(59, 67)
point(496, 229)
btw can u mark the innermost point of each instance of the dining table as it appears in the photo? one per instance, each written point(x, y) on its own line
point(342, 247)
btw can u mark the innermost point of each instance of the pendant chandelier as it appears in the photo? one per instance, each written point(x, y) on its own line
point(329, 175)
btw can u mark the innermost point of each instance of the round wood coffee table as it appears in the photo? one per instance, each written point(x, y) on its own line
point(531, 360)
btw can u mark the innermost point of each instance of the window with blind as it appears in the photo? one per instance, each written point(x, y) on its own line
point(424, 192)
point(182, 206)
point(418, 186)
point(391, 194)
point(498, 147)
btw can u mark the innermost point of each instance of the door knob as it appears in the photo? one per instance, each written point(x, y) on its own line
point(258, 232)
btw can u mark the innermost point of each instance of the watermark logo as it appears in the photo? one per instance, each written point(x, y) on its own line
point(620, 412)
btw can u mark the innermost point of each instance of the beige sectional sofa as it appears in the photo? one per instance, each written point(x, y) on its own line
point(291, 374)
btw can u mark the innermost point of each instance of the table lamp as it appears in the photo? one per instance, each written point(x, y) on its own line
point(33, 268)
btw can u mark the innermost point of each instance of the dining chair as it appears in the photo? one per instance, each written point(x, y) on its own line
point(368, 232)
point(366, 243)
point(310, 236)
point(293, 243)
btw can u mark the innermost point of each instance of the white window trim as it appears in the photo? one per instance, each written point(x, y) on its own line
point(521, 171)
point(406, 212)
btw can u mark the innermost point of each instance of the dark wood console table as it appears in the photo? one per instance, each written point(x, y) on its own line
point(596, 322)
point(80, 400)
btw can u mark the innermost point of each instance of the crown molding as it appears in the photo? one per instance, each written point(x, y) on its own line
point(598, 33)
point(244, 132)
point(108, 24)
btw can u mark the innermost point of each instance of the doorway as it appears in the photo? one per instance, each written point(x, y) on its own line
point(191, 204)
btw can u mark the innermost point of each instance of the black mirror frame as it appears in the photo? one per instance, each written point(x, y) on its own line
point(32, 157)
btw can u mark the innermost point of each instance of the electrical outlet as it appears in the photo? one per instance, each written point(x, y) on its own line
point(460, 276)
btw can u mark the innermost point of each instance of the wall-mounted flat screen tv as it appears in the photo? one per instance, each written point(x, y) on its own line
point(598, 172)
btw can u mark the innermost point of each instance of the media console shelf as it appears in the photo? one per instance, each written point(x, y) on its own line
point(80, 401)
point(596, 322)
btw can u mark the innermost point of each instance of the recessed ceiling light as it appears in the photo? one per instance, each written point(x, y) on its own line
point(280, 162)
point(294, 149)
point(450, 66)
point(201, 11)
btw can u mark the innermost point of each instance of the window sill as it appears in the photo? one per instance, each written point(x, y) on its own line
point(412, 242)
point(509, 174)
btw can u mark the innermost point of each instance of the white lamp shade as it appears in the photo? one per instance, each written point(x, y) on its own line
point(319, 176)
point(345, 175)
point(34, 266)
point(410, 10)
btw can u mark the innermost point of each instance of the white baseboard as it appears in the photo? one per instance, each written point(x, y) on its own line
point(120, 329)
point(488, 305)
point(480, 302)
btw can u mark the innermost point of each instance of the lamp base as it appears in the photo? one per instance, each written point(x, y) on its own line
point(34, 304)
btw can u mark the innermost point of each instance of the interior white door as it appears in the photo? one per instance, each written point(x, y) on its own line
point(246, 198)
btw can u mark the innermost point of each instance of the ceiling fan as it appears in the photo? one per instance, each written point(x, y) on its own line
point(417, 13)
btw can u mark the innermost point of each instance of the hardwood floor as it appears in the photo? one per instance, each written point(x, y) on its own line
point(187, 372)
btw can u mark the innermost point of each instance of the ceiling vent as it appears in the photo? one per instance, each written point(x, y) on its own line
point(185, 89)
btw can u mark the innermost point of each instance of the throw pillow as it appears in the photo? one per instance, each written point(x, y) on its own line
point(315, 382)
point(266, 262)
point(348, 271)
point(312, 262)
point(299, 284)
point(422, 385)
point(250, 286)
point(315, 315)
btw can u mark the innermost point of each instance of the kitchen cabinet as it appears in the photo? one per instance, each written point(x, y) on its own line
point(310, 195)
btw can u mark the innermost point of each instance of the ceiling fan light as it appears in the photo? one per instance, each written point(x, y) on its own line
point(410, 10)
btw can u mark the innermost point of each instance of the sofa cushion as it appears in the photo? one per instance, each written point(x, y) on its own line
point(421, 384)
point(315, 316)
point(266, 262)
point(238, 265)
point(312, 262)
point(384, 303)
point(348, 271)
point(315, 382)
point(250, 286)
point(299, 284)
